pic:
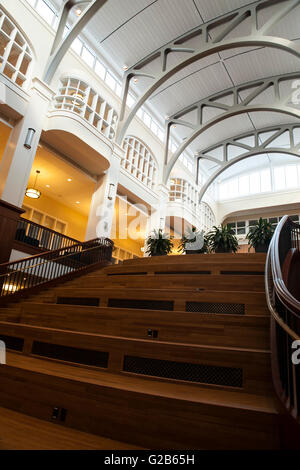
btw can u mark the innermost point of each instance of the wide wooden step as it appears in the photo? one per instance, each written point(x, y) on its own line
point(148, 413)
point(232, 258)
point(184, 327)
point(197, 300)
point(245, 369)
point(22, 432)
point(175, 281)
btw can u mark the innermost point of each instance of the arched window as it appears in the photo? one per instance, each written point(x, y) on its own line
point(77, 96)
point(15, 54)
point(139, 161)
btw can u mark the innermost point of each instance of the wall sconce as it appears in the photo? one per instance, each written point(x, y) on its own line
point(29, 138)
point(111, 191)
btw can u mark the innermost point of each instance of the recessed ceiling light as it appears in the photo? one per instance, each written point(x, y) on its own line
point(77, 202)
point(47, 185)
point(69, 180)
point(135, 80)
point(125, 67)
point(78, 11)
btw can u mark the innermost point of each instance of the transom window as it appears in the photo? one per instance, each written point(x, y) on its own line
point(139, 161)
point(15, 54)
point(78, 97)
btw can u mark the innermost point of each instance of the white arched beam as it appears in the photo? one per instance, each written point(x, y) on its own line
point(257, 148)
point(60, 44)
point(280, 104)
point(208, 46)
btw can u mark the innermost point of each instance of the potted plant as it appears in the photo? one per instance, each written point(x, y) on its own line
point(192, 242)
point(260, 235)
point(158, 243)
point(222, 239)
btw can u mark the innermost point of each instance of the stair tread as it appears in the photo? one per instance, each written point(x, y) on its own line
point(201, 316)
point(138, 340)
point(184, 392)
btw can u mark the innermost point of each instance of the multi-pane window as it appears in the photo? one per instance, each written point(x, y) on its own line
point(208, 219)
point(15, 54)
point(241, 228)
point(78, 97)
point(139, 161)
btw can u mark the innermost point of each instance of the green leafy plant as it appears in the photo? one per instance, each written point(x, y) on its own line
point(260, 235)
point(222, 239)
point(193, 236)
point(158, 243)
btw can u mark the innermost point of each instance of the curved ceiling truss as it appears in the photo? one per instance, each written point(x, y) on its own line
point(245, 98)
point(208, 44)
point(60, 44)
point(275, 139)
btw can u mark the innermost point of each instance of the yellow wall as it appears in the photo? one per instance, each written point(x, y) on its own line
point(4, 136)
point(76, 222)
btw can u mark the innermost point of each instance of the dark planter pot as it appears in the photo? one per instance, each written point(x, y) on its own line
point(262, 248)
point(160, 254)
point(193, 252)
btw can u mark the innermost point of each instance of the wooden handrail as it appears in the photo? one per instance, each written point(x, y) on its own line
point(285, 316)
point(53, 252)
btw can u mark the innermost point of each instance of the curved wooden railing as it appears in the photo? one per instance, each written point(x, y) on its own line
point(28, 273)
point(285, 314)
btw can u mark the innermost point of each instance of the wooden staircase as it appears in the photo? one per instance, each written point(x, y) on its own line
point(164, 352)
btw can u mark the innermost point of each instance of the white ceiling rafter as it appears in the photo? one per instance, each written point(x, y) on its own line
point(207, 46)
point(281, 139)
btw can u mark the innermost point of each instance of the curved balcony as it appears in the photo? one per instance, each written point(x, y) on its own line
point(81, 99)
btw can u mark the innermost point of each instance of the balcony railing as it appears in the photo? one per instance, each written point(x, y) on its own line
point(28, 273)
point(41, 237)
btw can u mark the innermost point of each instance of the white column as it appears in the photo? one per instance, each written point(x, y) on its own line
point(103, 202)
point(17, 160)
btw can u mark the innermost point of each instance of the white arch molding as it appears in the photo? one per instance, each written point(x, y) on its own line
point(257, 37)
point(260, 145)
point(281, 102)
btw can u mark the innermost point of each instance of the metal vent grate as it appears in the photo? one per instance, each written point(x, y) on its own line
point(13, 343)
point(215, 307)
point(142, 304)
point(69, 354)
point(208, 374)
point(90, 301)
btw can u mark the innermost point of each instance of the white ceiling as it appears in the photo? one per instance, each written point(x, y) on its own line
point(125, 31)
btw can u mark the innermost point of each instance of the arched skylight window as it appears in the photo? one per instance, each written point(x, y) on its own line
point(78, 97)
point(139, 161)
point(15, 54)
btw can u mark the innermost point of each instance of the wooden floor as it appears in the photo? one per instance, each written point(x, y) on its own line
point(21, 432)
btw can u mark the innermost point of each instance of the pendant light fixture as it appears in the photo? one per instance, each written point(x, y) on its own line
point(34, 193)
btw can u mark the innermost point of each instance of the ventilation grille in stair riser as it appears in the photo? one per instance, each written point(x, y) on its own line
point(208, 374)
point(214, 307)
point(182, 272)
point(142, 304)
point(13, 343)
point(244, 273)
point(69, 354)
point(90, 301)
